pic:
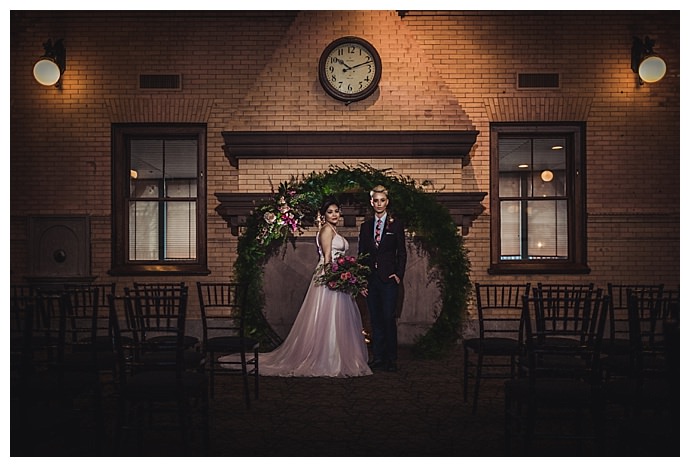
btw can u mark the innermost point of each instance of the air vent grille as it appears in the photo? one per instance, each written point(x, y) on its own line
point(161, 82)
point(538, 81)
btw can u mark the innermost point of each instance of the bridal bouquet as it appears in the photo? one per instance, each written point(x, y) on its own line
point(344, 274)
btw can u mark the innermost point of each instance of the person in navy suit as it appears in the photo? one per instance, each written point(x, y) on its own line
point(382, 238)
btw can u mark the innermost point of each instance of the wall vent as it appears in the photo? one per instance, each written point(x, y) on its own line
point(538, 81)
point(161, 82)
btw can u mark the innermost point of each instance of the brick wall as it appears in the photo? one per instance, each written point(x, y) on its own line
point(257, 71)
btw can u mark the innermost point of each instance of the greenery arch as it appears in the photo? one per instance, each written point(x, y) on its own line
point(276, 221)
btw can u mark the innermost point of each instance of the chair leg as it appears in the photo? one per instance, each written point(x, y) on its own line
point(477, 379)
point(507, 421)
point(530, 426)
point(245, 382)
point(184, 416)
point(465, 372)
point(206, 436)
point(100, 418)
point(256, 375)
point(212, 373)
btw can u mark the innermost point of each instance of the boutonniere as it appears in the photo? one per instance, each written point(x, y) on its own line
point(390, 220)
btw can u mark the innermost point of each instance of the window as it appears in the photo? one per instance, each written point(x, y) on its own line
point(538, 199)
point(159, 199)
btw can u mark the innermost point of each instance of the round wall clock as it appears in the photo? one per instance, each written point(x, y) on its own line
point(350, 69)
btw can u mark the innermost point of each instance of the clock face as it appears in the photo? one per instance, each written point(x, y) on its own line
point(350, 69)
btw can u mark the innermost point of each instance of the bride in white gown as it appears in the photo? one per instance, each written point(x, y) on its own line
point(326, 338)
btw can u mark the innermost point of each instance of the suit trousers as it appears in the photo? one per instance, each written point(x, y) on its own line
point(381, 301)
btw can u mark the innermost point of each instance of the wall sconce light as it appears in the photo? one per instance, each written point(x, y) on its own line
point(547, 176)
point(644, 62)
point(49, 68)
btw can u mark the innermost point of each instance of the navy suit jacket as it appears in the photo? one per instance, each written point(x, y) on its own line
point(390, 257)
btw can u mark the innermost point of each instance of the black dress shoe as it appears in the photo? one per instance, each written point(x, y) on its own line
point(392, 367)
point(377, 365)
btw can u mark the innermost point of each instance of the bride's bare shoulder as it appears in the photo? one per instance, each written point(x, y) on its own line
point(328, 229)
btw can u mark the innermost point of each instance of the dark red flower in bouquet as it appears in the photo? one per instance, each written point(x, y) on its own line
point(345, 274)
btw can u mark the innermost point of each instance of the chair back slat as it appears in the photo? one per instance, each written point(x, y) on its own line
point(646, 315)
point(157, 316)
point(158, 307)
point(565, 308)
point(618, 314)
point(499, 308)
point(577, 338)
point(222, 308)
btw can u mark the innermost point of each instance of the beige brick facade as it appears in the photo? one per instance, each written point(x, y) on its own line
point(255, 71)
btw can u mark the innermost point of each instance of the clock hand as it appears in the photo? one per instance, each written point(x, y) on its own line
point(365, 63)
point(343, 64)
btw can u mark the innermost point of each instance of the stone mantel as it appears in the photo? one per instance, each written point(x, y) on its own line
point(464, 208)
point(355, 144)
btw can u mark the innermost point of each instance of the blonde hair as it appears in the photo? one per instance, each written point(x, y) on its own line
point(378, 189)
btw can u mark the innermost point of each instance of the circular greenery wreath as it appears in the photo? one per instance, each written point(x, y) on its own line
point(295, 204)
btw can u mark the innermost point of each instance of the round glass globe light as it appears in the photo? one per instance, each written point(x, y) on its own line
point(46, 72)
point(652, 69)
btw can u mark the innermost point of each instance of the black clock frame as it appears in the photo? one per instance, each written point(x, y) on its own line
point(341, 96)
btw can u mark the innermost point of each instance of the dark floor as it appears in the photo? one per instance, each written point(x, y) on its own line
point(417, 411)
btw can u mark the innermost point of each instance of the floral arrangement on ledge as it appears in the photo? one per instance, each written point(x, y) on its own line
point(281, 219)
point(345, 274)
point(283, 216)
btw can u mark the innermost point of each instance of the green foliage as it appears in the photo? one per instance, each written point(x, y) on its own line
point(428, 223)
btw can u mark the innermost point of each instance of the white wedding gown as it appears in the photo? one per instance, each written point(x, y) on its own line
point(326, 338)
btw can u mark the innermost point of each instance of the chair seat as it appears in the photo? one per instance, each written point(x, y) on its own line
point(51, 383)
point(562, 341)
point(157, 384)
point(492, 345)
point(106, 342)
point(86, 360)
point(616, 364)
point(565, 363)
point(230, 344)
point(192, 359)
point(39, 341)
point(652, 393)
point(615, 346)
point(171, 341)
point(551, 392)
point(622, 366)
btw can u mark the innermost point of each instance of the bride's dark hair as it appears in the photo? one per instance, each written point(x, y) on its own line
point(330, 200)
